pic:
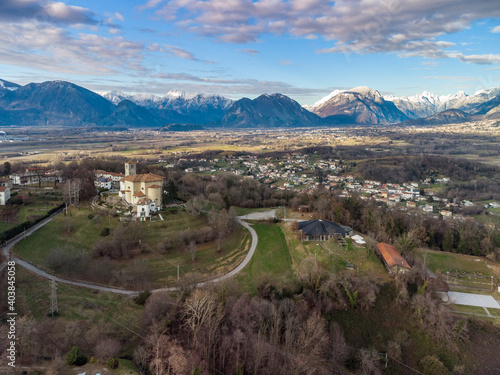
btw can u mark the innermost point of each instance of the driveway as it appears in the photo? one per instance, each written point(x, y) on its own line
point(265, 215)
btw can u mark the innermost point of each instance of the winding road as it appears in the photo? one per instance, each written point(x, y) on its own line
point(9, 255)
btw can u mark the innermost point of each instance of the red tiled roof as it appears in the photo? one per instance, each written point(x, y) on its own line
point(3, 188)
point(392, 256)
point(150, 177)
point(139, 194)
point(144, 201)
point(154, 186)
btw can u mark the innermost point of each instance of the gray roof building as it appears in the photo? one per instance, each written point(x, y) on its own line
point(323, 230)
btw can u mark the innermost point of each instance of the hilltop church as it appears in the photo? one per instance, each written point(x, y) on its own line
point(144, 191)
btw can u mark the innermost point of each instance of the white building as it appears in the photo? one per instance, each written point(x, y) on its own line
point(103, 182)
point(4, 195)
point(144, 208)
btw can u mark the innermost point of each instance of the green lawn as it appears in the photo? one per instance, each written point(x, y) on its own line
point(27, 212)
point(241, 211)
point(271, 261)
point(74, 231)
point(469, 309)
point(161, 268)
point(6, 226)
point(494, 312)
point(441, 262)
point(333, 256)
point(74, 303)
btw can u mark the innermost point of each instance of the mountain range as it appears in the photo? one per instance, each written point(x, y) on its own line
point(59, 103)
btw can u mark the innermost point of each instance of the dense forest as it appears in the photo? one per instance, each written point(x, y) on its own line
point(324, 323)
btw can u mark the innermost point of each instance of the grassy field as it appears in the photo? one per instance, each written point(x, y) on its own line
point(334, 256)
point(73, 231)
point(271, 261)
point(241, 211)
point(113, 313)
point(74, 303)
point(162, 268)
point(441, 262)
point(28, 212)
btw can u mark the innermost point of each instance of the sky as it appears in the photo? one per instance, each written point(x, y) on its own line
point(244, 48)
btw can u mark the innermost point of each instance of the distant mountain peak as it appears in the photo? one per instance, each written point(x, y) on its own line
point(427, 104)
point(269, 110)
point(357, 105)
point(8, 85)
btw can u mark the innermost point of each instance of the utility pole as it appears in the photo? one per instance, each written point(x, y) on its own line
point(53, 298)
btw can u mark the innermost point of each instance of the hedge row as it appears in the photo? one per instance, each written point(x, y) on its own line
point(12, 232)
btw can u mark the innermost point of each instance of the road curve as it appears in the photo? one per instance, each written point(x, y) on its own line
point(230, 274)
point(7, 252)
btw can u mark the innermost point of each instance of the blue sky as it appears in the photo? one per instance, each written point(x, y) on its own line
point(302, 48)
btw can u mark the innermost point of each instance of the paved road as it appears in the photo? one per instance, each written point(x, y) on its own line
point(32, 268)
point(230, 274)
point(264, 215)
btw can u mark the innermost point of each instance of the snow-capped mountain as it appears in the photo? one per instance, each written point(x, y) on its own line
point(198, 108)
point(6, 85)
point(428, 104)
point(360, 105)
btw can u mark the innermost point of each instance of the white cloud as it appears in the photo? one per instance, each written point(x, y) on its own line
point(408, 28)
point(50, 48)
point(249, 51)
point(179, 52)
point(45, 11)
point(496, 29)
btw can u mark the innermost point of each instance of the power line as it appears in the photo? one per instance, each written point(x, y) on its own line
point(54, 310)
point(385, 355)
point(72, 291)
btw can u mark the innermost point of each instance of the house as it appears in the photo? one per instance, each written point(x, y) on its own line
point(144, 208)
point(4, 195)
point(446, 213)
point(6, 181)
point(38, 175)
point(103, 182)
point(323, 230)
point(428, 208)
point(136, 187)
point(392, 258)
point(107, 180)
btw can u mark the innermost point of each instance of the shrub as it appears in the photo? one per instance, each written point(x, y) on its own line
point(113, 363)
point(142, 297)
point(105, 232)
point(90, 216)
point(75, 357)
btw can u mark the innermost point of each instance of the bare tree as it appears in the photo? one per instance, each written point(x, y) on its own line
point(57, 367)
point(222, 223)
point(369, 362)
point(192, 249)
point(107, 348)
point(311, 273)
